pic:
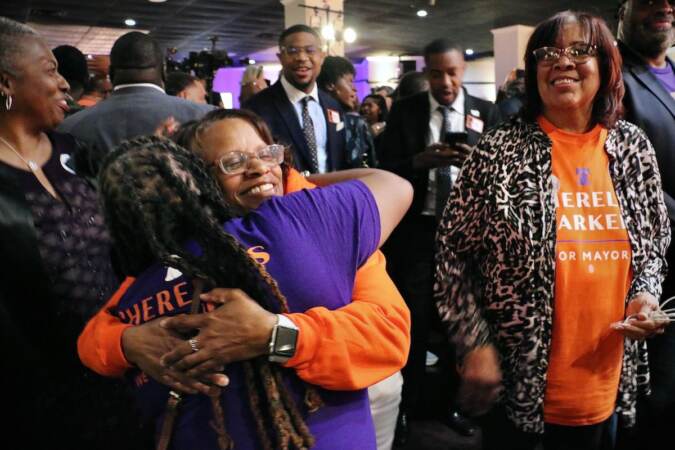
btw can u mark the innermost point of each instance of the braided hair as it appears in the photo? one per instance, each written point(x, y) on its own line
point(157, 195)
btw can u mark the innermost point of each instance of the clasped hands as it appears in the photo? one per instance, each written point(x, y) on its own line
point(237, 329)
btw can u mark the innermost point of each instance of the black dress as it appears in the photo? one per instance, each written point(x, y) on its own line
point(57, 273)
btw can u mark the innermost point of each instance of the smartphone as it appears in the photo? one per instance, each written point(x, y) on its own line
point(453, 138)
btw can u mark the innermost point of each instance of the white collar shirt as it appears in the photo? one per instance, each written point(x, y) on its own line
point(129, 85)
point(295, 96)
point(434, 135)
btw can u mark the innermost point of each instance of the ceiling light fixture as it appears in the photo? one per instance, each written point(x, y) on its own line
point(328, 32)
point(349, 35)
point(130, 22)
point(469, 51)
point(156, 1)
point(422, 13)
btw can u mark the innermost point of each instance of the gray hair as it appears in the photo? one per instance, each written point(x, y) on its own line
point(11, 35)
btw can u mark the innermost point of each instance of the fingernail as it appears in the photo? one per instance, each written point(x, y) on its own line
point(163, 323)
point(617, 326)
point(163, 363)
point(222, 381)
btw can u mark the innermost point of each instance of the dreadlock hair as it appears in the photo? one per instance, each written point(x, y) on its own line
point(157, 195)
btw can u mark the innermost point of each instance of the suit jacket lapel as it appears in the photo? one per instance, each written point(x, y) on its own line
point(633, 62)
point(290, 118)
point(644, 76)
point(422, 118)
point(472, 135)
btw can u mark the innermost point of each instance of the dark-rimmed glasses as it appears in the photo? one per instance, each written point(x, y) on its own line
point(236, 162)
point(578, 53)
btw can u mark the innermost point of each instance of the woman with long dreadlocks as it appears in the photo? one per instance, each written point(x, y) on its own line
point(326, 269)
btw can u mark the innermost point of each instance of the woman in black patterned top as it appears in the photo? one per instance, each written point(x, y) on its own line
point(56, 268)
point(551, 252)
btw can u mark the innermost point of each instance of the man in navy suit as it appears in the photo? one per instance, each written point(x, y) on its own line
point(297, 111)
point(427, 138)
point(138, 104)
point(645, 33)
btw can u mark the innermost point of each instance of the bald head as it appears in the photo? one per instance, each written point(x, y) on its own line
point(136, 58)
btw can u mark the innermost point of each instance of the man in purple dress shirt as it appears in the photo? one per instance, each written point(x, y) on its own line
point(645, 33)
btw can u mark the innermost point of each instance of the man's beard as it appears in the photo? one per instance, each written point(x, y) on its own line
point(651, 43)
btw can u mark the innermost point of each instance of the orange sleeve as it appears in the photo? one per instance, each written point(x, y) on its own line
point(359, 344)
point(350, 348)
point(100, 344)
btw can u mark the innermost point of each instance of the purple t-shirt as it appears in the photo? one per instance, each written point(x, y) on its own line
point(666, 77)
point(312, 242)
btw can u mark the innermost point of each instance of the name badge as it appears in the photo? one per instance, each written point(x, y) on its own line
point(474, 123)
point(333, 116)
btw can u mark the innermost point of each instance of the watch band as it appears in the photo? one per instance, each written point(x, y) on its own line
point(283, 340)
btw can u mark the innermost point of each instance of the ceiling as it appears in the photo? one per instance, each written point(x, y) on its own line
point(245, 27)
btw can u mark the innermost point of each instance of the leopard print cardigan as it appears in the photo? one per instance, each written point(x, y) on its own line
point(495, 266)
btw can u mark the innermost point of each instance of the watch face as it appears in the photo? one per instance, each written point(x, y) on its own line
point(286, 339)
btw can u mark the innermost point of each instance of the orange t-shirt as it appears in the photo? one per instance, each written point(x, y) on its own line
point(592, 278)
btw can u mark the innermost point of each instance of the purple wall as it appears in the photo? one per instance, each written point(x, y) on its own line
point(227, 80)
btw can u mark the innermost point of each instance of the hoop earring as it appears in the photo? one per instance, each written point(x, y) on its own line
point(8, 102)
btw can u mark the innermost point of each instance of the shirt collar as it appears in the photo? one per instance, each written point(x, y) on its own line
point(124, 86)
point(457, 105)
point(295, 95)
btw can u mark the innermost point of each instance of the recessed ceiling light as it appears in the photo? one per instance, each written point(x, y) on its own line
point(130, 22)
point(156, 1)
point(469, 51)
point(422, 13)
point(349, 35)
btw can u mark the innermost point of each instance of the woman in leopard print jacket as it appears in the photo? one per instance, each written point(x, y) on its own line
point(539, 264)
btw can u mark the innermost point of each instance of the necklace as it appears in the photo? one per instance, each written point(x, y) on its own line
point(32, 165)
point(35, 169)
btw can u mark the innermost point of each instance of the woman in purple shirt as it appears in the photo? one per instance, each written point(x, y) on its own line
point(163, 194)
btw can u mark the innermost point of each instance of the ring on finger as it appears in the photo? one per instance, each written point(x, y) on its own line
point(194, 344)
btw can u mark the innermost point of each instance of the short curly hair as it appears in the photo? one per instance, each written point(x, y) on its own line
point(332, 69)
point(12, 34)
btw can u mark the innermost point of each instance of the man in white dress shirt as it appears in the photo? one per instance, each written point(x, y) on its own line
point(424, 143)
point(297, 111)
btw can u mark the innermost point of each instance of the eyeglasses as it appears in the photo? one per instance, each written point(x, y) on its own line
point(579, 53)
point(236, 162)
point(310, 50)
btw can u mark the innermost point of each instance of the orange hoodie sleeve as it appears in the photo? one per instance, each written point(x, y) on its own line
point(349, 348)
point(100, 344)
point(361, 343)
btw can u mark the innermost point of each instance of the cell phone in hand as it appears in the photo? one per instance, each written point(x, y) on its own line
point(453, 138)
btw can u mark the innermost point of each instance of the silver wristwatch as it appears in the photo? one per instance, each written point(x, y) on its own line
point(283, 341)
